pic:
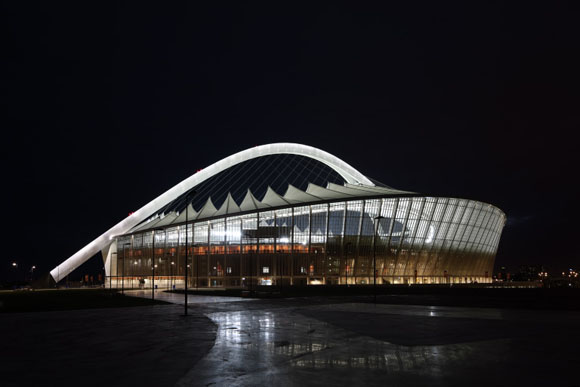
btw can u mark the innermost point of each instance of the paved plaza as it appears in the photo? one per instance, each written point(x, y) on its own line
point(229, 341)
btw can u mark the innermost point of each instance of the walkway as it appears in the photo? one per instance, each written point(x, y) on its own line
point(320, 341)
point(135, 346)
point(313, 341)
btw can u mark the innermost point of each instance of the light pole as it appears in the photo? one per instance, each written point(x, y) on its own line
point(111, 270)
point(197, 267)
point(377, 218)
point(188, 198)
point(123, 277)
point(32, 273)
point(153, 265)
point(185, 260)
point(280, 276)
point(133, 270)
point(171, 282)
point(15, 267)
point(346, 266)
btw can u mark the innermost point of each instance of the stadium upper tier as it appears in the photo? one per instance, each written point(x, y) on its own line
point(271, 200)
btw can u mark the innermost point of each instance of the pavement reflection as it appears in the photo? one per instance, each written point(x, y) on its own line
point(177, 298)
point(285, 347)
point(310, 342)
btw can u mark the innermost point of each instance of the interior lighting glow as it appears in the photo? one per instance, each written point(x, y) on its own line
point(430, 235)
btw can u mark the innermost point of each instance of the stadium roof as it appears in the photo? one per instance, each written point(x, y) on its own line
point(293, 196)
point(168, 208)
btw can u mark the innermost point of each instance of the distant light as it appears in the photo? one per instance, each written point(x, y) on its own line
point(14, 264)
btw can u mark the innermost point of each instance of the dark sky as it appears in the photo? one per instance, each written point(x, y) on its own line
point(105, 107)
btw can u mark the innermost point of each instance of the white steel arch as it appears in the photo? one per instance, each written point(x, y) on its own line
point(349, 174)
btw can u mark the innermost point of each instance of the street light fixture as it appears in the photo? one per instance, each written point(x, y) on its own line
point(346, 265)
point(111, 270)
point(188, 198)
point(171, 282)
point(15, 266)
point(123, 277)
point(196, 270)
point(375, 255)
point(153, 265)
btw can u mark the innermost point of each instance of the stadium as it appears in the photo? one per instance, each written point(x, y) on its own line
point(292, 215)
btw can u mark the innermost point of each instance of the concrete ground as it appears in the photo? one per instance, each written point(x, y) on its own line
point(315, 341)
point(134, 346)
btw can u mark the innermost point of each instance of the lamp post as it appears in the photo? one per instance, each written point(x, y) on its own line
point(377, 218)
point(193, 245)
point(346, 266)
point(123, 277)
point(185, 260)
point(171, 282)
point(280, 276)
point(133, 270)
point(15, 267)
point(32, 273)
point(188, 198)
point(153, 265)
point(111, 270)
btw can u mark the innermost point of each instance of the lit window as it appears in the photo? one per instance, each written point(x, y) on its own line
point(266, 269)
point(229, 269)
point(302, 269)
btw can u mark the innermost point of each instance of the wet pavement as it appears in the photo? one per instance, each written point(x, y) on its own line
point(133, 346)
point(176, 298)
point(231, 341)
point(321, 341)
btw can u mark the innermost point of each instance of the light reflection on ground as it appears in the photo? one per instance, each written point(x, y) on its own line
point(306, 342)
point(253, 348)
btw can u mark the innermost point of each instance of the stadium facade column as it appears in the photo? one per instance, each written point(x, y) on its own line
point(326, 244)
point(309, 243)
point(292, 249)
point(343, 246)
point(225, 266)
point(257, 246)
point(358, 236)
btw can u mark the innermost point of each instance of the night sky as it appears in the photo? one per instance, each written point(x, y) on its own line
point(106, 107)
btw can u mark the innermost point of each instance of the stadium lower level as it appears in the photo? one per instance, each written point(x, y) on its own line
point(400, 240)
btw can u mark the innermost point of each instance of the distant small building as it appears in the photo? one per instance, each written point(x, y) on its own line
point(502, 274)
point(530, 273)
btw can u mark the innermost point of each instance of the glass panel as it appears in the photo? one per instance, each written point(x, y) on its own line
point(301, 229)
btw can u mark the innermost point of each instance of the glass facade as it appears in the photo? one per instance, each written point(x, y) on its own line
point(401, 240)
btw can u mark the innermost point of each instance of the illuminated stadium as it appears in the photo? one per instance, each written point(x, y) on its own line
point(292, 215)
